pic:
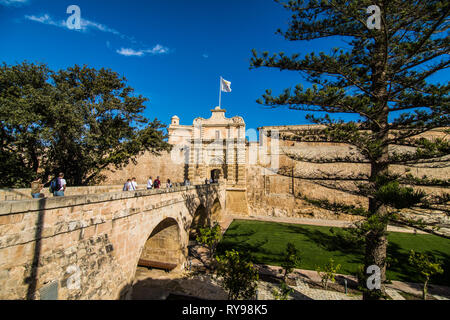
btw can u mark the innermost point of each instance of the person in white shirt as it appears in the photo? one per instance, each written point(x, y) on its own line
point(126, 186)
point(149, 183)
point(168, 184)
point(133, 186)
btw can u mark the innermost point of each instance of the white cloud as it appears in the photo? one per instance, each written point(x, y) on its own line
point(130, 52)
point(46, 19)
point(158, 49)
point(86, 25)
point(206, 56)
point(10, 3)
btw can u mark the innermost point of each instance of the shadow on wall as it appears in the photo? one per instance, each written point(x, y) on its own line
point(205, 195)
point(199, 220)
point(32, 279)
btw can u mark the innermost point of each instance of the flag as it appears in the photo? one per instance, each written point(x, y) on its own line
point(225, 85)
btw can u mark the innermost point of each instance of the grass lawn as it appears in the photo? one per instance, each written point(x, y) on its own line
point(266, 243)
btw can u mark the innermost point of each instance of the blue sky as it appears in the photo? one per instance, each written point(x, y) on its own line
point(171, 51)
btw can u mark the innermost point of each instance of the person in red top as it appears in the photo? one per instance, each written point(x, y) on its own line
point(156, 183)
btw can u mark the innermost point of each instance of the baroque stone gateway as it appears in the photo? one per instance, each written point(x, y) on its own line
point(88, 244)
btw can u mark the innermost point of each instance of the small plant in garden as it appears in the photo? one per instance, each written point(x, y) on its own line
point(328, 273)
point(239, 276)
point(427, 268)
point(291, 259)
point(284, 292)
point(210, 237)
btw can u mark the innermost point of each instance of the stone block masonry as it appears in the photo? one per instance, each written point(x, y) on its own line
point(25, 193)
point(88, 246)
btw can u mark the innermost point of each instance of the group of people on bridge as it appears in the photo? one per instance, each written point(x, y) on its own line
point(131, 184)
point(58, 185)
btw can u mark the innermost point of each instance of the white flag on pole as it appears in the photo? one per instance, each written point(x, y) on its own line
point(225, 85)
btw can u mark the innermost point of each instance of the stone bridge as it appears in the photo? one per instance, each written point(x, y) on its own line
point(88, 246)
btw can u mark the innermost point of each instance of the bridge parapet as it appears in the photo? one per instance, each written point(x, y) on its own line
point(25, 205)
point(98, 238)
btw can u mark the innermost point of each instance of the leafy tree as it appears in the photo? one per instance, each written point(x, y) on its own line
point(210, 238)
point(80, 121)
point(328, 273)
point(382, 76)
point(291, 259)
point(24, 94)
point(427, 268)
point(239, 276)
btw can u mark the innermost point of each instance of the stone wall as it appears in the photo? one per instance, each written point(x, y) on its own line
point(266, 192)
point(273, 195)
point(164, 244)
point(271, 190)
point(95, 239)
point(148, 165)
point(236, 200)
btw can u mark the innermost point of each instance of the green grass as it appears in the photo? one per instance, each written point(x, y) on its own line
point(266, 242)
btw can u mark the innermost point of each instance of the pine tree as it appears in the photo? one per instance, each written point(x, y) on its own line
point(384, 79)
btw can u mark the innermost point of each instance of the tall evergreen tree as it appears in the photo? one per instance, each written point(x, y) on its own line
point(80, 121)
point(384, 78)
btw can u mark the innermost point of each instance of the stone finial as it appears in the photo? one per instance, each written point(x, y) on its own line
point(175, 120)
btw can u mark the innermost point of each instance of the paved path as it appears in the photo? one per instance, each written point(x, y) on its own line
point(439, 292)
point(394, 294)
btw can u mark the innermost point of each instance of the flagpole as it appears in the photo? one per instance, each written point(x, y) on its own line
point(220, 91)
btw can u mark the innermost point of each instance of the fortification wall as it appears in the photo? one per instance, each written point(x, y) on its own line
point(274, 192)
point(148, 165)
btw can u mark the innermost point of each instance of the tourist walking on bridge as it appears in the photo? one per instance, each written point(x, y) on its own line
point(133, 185)
point(157, 183)
point(149, 183)
point(58, 185)
point(168, 184)
point(126, 186)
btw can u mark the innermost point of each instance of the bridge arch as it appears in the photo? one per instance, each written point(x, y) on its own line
point(164, 246)
point(199, 220)
point(216, 212)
